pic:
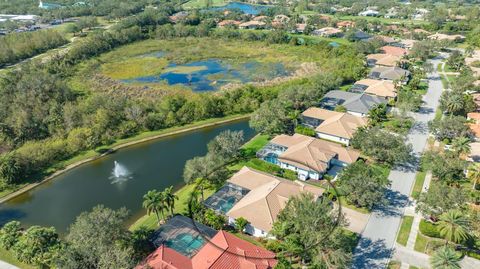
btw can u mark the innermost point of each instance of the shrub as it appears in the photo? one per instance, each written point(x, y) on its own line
point(429, 229)
point(300, 129)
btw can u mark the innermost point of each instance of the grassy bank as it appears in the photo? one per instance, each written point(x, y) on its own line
point(404, 231)
point(7, 256)
point(192, 4)
point(419, 180)
point(90, 155)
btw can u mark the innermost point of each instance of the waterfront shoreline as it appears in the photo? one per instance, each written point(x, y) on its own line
point(183, 129)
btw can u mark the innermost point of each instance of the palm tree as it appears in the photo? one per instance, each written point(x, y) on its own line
point(377, 114)
point(453, 226)
point(461, 145)
point(445, 258)
point(170, 198)
point(474, 174)
point(153, 201)
point(454, 103)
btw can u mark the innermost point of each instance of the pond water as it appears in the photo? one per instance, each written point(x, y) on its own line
point(152, 165)
point(212, 74)
point(244, 7)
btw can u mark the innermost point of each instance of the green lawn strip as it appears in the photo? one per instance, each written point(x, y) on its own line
point(9, 257)
point(181, 205)
point(405, 230)
point(345, 203)
point(445, 83)
point(394, 265)
point(419, 180)
point(248, 238)
point(426, 244)
point(413, 267)
point(203, 3)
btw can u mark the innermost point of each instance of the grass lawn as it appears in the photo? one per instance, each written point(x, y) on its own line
point(419, 180)
point(8, 256)
point(427, 244)
point(405, 230)
point(413, 267)
point(380, 19)
point(345, 203)
point(150, 221)
point(203, 3)
point(444, 81)
point(394, 265)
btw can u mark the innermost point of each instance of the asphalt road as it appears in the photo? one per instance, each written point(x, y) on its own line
point(377, 243)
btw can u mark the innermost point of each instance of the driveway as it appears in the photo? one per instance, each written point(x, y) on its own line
point(4, 265)
point(378, 238)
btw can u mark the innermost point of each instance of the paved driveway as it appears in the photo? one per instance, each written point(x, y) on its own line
point(378, 238)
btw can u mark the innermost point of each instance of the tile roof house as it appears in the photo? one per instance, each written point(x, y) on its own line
point(358, 104)
point(331, 125)
point(386, 39)
point(327, 32)
point(474, 155)
point(475, 126)
point(390, 73)
point(345, 24)
point(439, 36)
point(225, 23)
point(407, 43)
point(395, 51)
point(223, 251)
point(383, 60)
point(380, 88)
point(252, 25)
point(307, 156)
point(267, 197)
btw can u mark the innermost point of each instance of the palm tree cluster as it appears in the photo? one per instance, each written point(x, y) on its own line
point(158, 202)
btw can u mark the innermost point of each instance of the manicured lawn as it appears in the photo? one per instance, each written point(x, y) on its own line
point(203, 3)
point(413, 267)
point(427, 244)
point(345, 203)
point(8, 256)
point(181, 205)
point(255, 144)
point(394, 265)
point(248, 238)
point(419, 180)
point(405, 230)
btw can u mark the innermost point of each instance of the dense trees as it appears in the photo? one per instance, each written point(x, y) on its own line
point(382, 146)
point(447, 167)
point(439, 199)
point(363, 185)
point(310, 230)
point(19, 46)
point(271, 118)
point(449, 127)
point(155, 202)
point(98, 239)
point(36, 245)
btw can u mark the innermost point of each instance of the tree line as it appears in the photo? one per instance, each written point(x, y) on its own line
point(18, 46)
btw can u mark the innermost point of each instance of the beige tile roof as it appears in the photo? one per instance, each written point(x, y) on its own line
point(384, 59)
point(262, 204)
point(382, 88)
point(301, 149)
point(335, 123)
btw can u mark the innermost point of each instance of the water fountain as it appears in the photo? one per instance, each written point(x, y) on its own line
point(119, 173)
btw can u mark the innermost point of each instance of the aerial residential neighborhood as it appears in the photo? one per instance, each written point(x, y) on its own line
point(198, 134)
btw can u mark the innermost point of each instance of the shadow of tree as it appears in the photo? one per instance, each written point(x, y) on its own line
point(371, 254)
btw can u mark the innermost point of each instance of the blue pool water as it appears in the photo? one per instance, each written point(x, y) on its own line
point(215, 73)
point(245, 8)
point(185, 243)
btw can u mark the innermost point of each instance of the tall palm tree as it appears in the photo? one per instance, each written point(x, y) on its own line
point(454, 103)
point(461, 145)
point(445, 258)
point(474, 174)
point(170, 198)
point(153, 201)
point(453, 226)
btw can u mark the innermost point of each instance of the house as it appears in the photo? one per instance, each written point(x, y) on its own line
point(369, 13)
point(474, 155)
point(252, 25)
point(386, 39)
point(475, 125)
point(309, 157)
point(331, 125)
point(421, 31)
point(406, 43)
point(327, 32)
point(361, 36)
point(476, 100)
point(300, 27)
point(345, 24)
point(358, 104)
point(390, 73)
point(380, 88)
point(267, 197)
point(179, 16)
point(225, 23)
point(391, 13)
point(260, 18)
point(439, 36)
point(381, 59)
point(224, 250)
point(420, 13)
point(395, 51)
point(43, 5)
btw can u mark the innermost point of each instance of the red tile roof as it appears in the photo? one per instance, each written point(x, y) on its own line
point(224, 251)
point(391, 50)
point(165, 258)
point(227, 251)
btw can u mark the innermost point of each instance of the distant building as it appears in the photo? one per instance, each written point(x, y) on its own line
point(439, 36)
point(327, 32)
point(357, 104)
point(369, 13)
point(43, 5)
point(252, 25)
point(390, 73)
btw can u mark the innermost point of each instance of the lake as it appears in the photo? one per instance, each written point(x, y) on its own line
point(244, 7)
point(155, 164)
point(212, 74)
